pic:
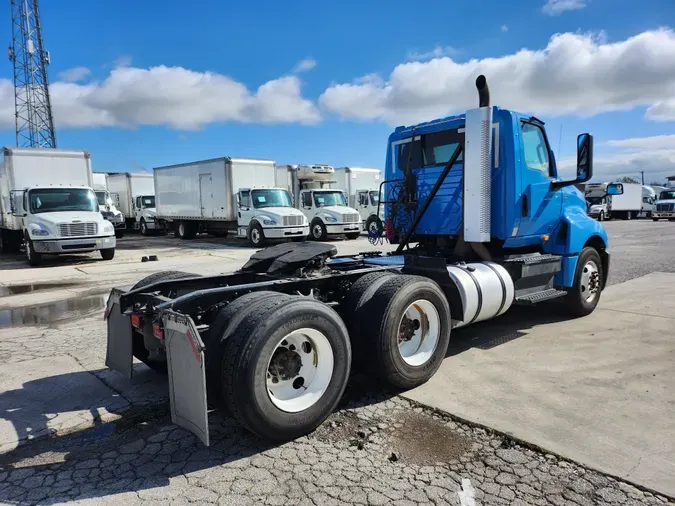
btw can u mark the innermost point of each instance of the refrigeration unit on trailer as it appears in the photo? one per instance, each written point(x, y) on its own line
point(222, 194)
point(135, 198)
point(325, 207)
point(106, 203)
point(363, 189)
point(492, 225)
point(48, 204)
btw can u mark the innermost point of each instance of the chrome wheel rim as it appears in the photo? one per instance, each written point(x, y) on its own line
point(255, 236)
point(589, 284)
point(299, 370)
point(419, 332)
point(316, 231)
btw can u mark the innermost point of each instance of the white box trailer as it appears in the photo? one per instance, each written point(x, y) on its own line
point(606, 207)
point(107, 204)
point(128, 186)
point(47, 201)
point(223, 194)
point(362, 186)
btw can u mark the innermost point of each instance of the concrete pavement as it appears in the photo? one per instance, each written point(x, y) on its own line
point(597, 390)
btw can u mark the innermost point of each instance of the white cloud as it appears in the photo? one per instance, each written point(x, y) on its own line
point(304, 65)
point(504, 28)
point(171, 96)
point(555, 7)
point(578, 74)
point(654, 155)
point(75, 74)
point(662, 111)
point(436, 52)
point(122, 61)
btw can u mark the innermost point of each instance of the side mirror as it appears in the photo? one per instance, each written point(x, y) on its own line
point(615, 189)
point(585, 158)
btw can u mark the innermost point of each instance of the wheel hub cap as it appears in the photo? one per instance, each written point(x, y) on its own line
point(419, 332)
point(590, 281)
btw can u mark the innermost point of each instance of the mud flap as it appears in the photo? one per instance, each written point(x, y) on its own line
point(119, 351)
point(187, 378)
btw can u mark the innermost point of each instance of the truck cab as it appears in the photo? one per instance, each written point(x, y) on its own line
point(62, 220)
point(145, 214)
point(268, 213)
point(328, 213)
point(665, 206)
point(106, 205)
point(371, 213)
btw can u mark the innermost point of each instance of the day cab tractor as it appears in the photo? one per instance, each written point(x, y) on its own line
point(482, 222)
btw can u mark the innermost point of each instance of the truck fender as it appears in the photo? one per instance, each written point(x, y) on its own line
point(579, 229)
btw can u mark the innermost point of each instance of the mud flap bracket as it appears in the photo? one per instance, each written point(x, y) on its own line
point(187, 378)
point(119, 348)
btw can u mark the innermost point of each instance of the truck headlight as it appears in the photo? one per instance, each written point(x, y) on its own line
point(269, 222)
point(39, 230)
point(108, 228)
point(329, 218)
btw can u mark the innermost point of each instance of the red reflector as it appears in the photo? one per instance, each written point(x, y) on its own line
point(158, 331)
point(136, 320)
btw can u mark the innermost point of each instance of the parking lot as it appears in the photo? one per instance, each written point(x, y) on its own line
point(526, 409)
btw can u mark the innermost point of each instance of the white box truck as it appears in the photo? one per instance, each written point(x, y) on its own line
point(47, 201)
point(135, 194)
point(326, 208)
point(605, 207)
point(106, 204)
point(222, 194)
point(363, 192)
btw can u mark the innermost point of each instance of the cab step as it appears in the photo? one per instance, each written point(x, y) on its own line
point(537, 297)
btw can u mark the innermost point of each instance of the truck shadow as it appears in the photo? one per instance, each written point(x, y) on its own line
point(506, 328)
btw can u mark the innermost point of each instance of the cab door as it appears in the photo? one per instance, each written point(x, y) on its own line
point(540, 205)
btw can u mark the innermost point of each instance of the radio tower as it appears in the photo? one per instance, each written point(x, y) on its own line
point(33, 109)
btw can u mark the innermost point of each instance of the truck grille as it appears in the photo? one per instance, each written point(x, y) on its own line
point(293, 221)
point(665, 207)
point(352, 218)
point(77, 229)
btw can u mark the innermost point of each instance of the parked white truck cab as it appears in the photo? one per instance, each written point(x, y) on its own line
point(222, 194)
point(47, 201)
point(326, 208)
point(136, 199)
point(106, 204)
point(267, 213)
point(665, 206)
point(363, 192)
point(606, 207)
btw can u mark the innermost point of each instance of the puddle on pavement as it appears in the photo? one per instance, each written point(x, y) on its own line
point(53, 312)
point(6, 291)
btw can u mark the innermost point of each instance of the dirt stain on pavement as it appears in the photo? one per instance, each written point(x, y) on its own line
point(6, 291)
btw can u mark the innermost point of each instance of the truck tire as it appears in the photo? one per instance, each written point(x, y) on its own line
point(297, 343)
point(655, 219)
point(601, 216)
point(119, 234)
point(144, 228)
point(353, 236)
point(186, 230)
point(360, 293)
point(317, 230)
point(256, 236)
point(34, 258)
point(628, 215)
point(374, 226)
point(219, 332)
point(402, 354)
point(584, 295)
point(138, 348)
point(108, 253)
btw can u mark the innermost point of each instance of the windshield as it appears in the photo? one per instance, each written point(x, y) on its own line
point(667, 195)
point(374, 197)
point(148, 201)
point(62, 199)
point(594, 200)
point(271, 198)
point(101, 197)
point(324, 199)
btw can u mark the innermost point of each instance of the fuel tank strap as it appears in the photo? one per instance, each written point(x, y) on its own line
point(501, 280)
point(479, 292)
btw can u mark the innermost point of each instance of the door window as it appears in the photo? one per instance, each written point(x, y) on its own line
point(245, 199)
point(535, 148)
point(363, 198)
point(307, 199)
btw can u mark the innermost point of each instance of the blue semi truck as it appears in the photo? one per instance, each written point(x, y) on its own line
point(481, 221)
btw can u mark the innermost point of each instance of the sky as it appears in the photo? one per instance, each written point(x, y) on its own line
point(146, 84)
